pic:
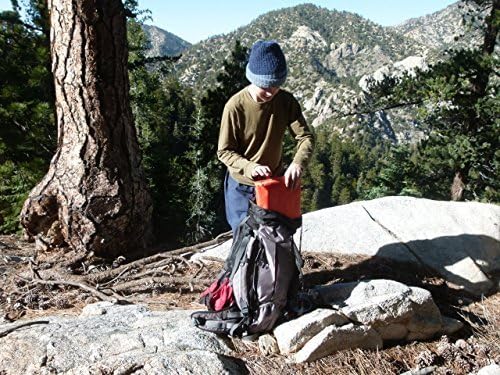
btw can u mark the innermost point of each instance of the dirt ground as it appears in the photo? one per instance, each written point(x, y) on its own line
point(475, 346)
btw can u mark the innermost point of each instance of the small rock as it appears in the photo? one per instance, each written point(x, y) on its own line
point(461, 344)
point(426, 319)
point(96, 309)
point(268, 345)
point(386, 305)
point(332, 339)
point(292, 335)
point(423, 371)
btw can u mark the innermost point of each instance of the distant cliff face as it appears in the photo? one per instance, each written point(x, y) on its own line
point(437, 30)
point(330, 55)
point(164, 43)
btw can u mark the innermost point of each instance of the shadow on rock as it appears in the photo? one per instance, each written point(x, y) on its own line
point(452, 268)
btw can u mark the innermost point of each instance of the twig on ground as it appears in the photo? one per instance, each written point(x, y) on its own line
point(12, 329)
point(145, 284)
point(34, 272)
point(114, 279)
point(88, 288)
point(76, 258)
point(214, 259)
point(202, 266)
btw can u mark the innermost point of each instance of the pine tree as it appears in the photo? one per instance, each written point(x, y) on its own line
point(458, 101)
point(27, 124)
point(93, 198)
point(208, 207)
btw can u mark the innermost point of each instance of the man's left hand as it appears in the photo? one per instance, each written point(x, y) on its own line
point(292, 175)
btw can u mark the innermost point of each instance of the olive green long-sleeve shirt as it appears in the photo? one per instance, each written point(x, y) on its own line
point(252, 133)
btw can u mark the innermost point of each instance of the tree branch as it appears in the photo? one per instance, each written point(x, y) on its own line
point(88, 288)
point(105, 275)
point(148, 283)
point(12, 329)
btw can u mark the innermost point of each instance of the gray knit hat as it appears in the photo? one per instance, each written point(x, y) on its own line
point(266, 65)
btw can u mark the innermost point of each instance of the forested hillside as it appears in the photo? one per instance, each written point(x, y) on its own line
point(394, 112)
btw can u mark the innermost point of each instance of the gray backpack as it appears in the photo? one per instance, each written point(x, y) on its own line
point(261, 274)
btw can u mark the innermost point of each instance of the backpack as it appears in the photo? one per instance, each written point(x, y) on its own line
point(261, 274)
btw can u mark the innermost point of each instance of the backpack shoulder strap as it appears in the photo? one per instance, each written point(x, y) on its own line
point(239, 247)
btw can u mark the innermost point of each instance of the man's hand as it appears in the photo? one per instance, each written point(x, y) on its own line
point(261, 171)
point(292, 175)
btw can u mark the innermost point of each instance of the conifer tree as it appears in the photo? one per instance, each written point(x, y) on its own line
point(458, 101)
point(27, 124)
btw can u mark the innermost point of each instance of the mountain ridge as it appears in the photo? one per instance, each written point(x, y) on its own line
point(163, 42)
point(329, 54)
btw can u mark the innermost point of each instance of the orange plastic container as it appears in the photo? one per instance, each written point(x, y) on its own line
point(272, 194)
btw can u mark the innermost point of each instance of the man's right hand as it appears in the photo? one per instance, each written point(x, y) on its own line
point(261, 171)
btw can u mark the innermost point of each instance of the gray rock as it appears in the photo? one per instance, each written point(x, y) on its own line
point(492, 369)
point(292, 335)
point(421, 371)
point(426, 319)
point(347, 229)
point(461, 250)
point(109, 338)
point(220, 251)
point(268, 344)
point(408, 65)
point(332, 339)
point(386, 305)
point(306, 38)
point(460, 240)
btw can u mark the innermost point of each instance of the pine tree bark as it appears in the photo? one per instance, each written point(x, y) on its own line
point(94, 197)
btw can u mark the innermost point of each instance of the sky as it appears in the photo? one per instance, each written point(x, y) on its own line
point(195, 20)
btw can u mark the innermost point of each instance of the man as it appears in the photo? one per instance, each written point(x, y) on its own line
point(252, 131)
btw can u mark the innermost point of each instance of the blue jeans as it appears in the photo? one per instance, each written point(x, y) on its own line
point(237, 198)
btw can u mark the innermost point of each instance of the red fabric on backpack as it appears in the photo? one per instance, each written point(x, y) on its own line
point(218, 296)
point(272, 194)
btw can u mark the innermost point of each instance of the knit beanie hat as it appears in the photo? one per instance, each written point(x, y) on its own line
point(266, 65)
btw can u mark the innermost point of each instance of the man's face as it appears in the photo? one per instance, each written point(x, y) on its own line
point(266, 94)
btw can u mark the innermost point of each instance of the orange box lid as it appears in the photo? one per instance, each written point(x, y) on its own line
point(272, 194)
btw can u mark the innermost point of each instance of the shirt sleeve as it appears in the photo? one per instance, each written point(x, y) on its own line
point(228, 146)
point(303, 135)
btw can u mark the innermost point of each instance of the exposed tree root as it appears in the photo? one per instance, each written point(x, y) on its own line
point(115, 281)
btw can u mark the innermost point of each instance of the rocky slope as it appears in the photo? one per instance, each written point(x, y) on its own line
point(437, 30)
point(164, 43)
point(330, 54)
point(359, 307)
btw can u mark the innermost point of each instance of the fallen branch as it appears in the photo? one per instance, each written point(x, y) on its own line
point(214, 259)
point(150, 282)
point(116, 278)
point(76, 258)
point(202, 266)
point(88, 288)
point(99, 277)
point(12, 329)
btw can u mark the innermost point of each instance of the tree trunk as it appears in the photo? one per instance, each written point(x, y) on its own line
point(457, 187)
point(94, 197)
